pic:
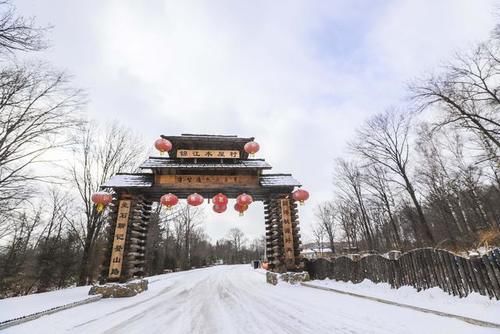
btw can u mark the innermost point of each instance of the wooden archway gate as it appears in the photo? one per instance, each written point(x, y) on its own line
point(207, 165)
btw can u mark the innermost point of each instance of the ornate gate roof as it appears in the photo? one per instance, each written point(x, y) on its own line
point(194, 165)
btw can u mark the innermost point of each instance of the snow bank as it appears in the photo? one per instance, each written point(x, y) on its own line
point(473, 306)
point(15, 307)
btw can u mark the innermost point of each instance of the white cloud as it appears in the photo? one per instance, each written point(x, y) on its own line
point(297, 75)
point(415, 36)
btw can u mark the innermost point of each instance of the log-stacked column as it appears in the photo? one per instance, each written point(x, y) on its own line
point(135, 240)
point(274, 234)
point(297, 244)
point(275, 245)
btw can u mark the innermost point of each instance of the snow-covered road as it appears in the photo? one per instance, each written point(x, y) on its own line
point(236, 299)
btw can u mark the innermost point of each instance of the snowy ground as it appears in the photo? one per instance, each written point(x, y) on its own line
point(15, 307)
point(474, 306)
point(236, 299)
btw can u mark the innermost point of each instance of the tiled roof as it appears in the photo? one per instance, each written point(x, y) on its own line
point(154, 162)
point(147, 180)
point(129, 181)
point(278, 180)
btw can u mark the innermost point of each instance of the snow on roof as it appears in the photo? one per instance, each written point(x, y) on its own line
point(129, 181)
point(154, 162)
point(278, 180)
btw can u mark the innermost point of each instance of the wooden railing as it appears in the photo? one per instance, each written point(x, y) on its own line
point(421, 268)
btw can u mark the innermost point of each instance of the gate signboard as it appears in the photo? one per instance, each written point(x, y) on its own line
point(115, 266)
point(286, 218)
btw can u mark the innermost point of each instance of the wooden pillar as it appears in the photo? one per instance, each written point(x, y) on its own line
point(135, 257)
point(128, 222)
point(274, 234)
point(297, 243)
point(283, 243)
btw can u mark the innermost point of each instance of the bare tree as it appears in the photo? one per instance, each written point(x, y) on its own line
point(326, 215)
point(348, 222)
point(18, 33)
point(378, 186)
point(258, 246)
point(318, 232)
point(237, 238)
point(37, 109)
point(16, 252)
point(187, 225)
point(467, 92)
point(384, 141)
point(99, 153)
point(49, 245)
point(349, 184)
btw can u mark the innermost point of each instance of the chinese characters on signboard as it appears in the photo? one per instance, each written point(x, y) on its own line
point(208, 154)
point(286, 218)
point(115, 266)
point(203, 180)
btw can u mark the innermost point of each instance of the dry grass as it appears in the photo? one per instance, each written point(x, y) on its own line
point(488, 238)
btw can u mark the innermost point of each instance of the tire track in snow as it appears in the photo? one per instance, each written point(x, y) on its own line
point(236, 299)
point(169, 289)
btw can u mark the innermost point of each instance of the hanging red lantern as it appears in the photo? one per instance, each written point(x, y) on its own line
point(251, 148)
point(241, 208)
point(244, 199)
point(163, 145)
point(219, 208)
point(195, 199)
point(101, 199)
point(220, 199)
point(169, 200)
point(300, 195)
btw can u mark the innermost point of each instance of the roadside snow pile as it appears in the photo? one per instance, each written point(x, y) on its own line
point(473, 306)
point(15, 307)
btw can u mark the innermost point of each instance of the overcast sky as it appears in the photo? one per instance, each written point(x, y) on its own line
point(300, 76)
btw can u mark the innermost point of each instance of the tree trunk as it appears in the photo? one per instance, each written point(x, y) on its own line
point(423, 222)
point(84, 266)
point(391, 219)
point(332, 245)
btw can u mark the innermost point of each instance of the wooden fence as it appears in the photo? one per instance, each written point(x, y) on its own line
point(421, 268)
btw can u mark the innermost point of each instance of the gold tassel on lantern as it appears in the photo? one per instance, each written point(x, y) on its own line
point(100, 207)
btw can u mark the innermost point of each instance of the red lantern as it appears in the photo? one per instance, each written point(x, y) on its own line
point(244, 199)
point(219, 208)
point(169, 200)
point(101, 199)
point(220, 199)
point(163, 145)
point(300, 195)
point(241, 208)
point(195, 199)
point(251, 148)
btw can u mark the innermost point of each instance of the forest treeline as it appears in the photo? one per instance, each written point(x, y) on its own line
point(427, 172)
point(52, 158)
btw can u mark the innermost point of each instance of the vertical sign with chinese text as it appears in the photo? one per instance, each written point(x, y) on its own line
point(286, 218)
point(115, 266)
